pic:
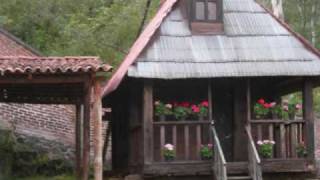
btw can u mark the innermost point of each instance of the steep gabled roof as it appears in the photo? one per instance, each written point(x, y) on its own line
point(13, 46)
point(138, 46)
point(255, 43)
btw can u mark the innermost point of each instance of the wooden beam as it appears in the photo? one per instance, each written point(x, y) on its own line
point(98, 137)
point(56, 79)
point(308, 116)
point(148, 122)
point(79, 118)
point(86, 132)
point(248, 100)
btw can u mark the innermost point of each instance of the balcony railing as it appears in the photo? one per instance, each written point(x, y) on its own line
point(186, 136)
point(288, 136)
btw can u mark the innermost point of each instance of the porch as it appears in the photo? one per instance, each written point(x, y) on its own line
point(234, 132)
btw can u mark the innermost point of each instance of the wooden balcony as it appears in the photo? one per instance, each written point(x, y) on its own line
point(287, 134)
point(186, 136)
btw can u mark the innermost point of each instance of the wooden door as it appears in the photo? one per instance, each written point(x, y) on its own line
point(223, 116)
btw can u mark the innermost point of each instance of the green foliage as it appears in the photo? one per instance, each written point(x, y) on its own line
point(25, 160)
point(162, 109)
point(266, 148)
point(260, 111)
point(206, 152)
point(181, 112)
point(102, 28)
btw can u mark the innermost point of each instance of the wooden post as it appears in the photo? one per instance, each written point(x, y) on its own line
point(86, 133)
point(98, 138)
point(248, 100)
point(309, 118)
point(210, 111)
point(148, 122)
point(78, 138)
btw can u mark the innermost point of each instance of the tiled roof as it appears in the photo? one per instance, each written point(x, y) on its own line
point(51, 65)
point(12, 46)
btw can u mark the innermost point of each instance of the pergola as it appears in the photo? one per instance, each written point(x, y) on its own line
point(61, 80)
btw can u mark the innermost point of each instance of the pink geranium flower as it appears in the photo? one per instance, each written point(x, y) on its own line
point(195, 108)
point(205, 103)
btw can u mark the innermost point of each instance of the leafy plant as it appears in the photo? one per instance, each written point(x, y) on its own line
point(162, 109)
point(206, 151)
point(302, 150)
point(266, 148)
point(168, 152)
point(261, 109)
point(181, 112)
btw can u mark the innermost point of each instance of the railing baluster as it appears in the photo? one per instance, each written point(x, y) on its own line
point(162, 140)
point(259, 128)
point(282, 141)
point(174, 138)
point(294, 140)
point(271, 137)
point(186, 142)
point(198, 141)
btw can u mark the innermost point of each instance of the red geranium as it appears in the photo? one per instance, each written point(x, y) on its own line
point(185, 104)
point(261, 101)
point(195, 108)
point(205, 103)
point(267, 105)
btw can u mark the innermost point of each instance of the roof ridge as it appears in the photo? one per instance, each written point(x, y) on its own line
point(303, 40)
point(20, 42)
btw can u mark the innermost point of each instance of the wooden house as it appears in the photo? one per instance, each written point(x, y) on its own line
point(224, 54)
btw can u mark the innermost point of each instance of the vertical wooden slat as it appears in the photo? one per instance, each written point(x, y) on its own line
point(174, 138)
point(282, 141)
point(79, 118)
point(198, 131)
point(148, 122)
point(259, 129)
point(186, 142)
point(162, 139)
point(271, 136)
point(300, 125)
point(308, 116)
point(294, 140)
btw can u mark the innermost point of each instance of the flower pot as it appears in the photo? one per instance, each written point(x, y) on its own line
point(206, 158)
point(292, 116)
point(162, 118)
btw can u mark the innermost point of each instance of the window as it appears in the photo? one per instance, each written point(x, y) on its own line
point(206, 10)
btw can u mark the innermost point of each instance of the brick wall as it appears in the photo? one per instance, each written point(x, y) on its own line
point(52, 122)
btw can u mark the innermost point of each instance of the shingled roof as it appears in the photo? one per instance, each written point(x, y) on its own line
point(13, 46)
point(254, 43)
point(51, 65)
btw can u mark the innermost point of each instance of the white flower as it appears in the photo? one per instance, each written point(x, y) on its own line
point(266, 141)
point(157, 103)
point(259, 142)
point(169, 147)
point(169, 106)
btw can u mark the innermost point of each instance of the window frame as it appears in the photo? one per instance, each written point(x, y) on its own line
point(206, 12)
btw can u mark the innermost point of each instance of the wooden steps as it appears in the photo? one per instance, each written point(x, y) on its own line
point(239, 178)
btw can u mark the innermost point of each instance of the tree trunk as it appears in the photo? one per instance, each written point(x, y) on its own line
point(312, 22)
point(277, 8)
